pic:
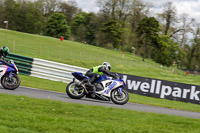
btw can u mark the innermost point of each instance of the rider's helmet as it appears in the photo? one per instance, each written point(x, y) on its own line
point(107, 65)
point(4, 50)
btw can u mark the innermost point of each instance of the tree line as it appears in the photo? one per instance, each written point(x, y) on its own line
point(128, 25)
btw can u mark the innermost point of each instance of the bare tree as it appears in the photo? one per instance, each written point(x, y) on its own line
point(118, 10)
point(187, 23)
point(108, 7)
point(138, 12)
point(49, 6)
point(169, 16)
point(182, 29)
point(70, 9)
point(197, 45)
point(124, 10)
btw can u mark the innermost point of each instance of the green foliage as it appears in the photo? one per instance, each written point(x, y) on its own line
point(11, 12)
point(113, 33)
point(189, 61)
point(161, 53)
point(147, 32)
point(69, 8)
point(76, 22)
point(23, 17)
point(148, 26)
point(30, 19)
point(83, 28)
point(193, 53)
point(163, 57)
point(57, 26)
point(167, 51)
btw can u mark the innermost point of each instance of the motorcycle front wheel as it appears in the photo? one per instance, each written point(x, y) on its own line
point(119, 98)
point(74, 91)
point(10, 82)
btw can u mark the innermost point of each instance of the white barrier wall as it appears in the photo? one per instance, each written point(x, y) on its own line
point(53, 70)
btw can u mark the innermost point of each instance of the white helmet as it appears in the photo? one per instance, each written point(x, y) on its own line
point(107, 65)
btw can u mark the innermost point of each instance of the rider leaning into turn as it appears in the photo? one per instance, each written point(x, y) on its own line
point(3, 53)
point(96, 72)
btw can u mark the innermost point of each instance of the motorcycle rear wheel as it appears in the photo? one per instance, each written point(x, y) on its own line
point(74, 92)
point(10, 83)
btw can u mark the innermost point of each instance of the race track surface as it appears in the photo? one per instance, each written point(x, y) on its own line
point(43, 94)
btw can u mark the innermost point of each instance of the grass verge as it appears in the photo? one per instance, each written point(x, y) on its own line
point(19, 114)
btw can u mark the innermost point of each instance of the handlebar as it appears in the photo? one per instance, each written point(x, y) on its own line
point(117, 76)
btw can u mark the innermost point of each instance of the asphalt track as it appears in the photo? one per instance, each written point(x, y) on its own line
point(43, 94)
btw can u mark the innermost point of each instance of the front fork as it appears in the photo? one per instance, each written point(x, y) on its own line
point(120, 90)
point(10, 75)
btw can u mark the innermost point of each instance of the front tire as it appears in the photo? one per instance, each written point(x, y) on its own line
point(119, 98)
point(10, 83)
point(74, 91)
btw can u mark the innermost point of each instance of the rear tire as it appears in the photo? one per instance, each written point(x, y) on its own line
point(73, 92)
point(10, 83)
point(119, 99)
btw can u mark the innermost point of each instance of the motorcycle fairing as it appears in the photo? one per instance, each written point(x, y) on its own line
point(107, 90)
point(14, 66)
point(3, 70)
point(122, 82)
point(11, 69)
point(7, 69)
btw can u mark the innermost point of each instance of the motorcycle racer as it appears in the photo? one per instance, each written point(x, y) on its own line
point(96, 72)
point(3, 53)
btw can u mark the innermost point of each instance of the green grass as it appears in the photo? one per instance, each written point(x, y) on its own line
point(44, 84)
point(60, 87)
point(19, 114)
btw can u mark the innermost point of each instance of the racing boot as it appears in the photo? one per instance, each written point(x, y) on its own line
point(91, 87)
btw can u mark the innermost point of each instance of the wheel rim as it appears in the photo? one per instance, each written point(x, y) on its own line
point(117, 96)
point(10, 82)
point(74, 90)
